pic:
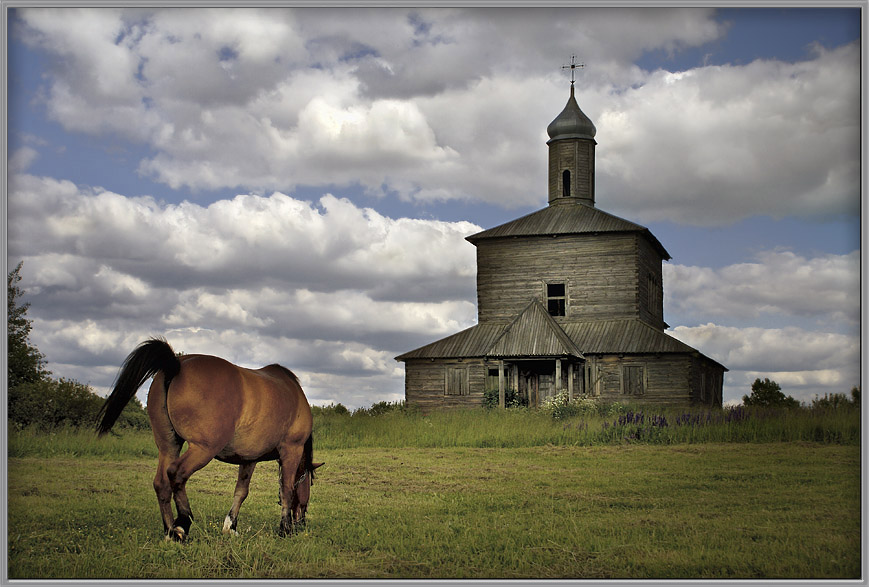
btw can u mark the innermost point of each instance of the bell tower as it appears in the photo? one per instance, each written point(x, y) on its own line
point(571, 152)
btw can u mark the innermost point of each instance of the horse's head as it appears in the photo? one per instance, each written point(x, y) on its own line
point(302, 493)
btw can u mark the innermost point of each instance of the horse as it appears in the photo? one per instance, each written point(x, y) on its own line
point(225, 412)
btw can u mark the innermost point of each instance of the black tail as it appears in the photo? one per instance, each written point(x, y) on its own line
point(150, 357)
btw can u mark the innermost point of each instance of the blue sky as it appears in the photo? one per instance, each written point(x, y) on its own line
point(390, 134)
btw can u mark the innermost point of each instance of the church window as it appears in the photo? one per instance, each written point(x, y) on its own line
point(457, 381)
point(565, 183)
point(556, 299)
point(633, 380)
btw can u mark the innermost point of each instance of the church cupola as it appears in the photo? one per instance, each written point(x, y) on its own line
point(571, 154)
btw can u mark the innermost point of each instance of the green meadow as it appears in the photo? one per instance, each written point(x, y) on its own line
point(467, 494)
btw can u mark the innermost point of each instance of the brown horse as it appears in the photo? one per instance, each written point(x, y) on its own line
point(224, 412)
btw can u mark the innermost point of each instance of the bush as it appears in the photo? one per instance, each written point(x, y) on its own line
point(380, 408)
point(511, 399)
point(332, 409)
point(50, 403)
point(560, 406)
point(837, 401)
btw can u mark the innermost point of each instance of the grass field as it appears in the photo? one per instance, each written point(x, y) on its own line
point(481, 506)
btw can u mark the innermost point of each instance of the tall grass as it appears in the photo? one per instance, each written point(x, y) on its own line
point(599, 425)
point(512, 428)
point(80, 442)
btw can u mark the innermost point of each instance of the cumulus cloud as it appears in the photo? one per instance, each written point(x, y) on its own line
point(718, 144)
point(805, 363)
point(823, 289)
point(822, 293)
point(326, 287)
point(421, 105)
point(443, 104)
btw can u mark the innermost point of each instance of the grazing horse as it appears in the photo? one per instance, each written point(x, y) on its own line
point(224, 412)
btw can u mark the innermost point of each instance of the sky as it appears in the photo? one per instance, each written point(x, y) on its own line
point(295, 185)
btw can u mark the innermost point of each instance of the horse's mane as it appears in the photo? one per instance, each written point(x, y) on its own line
point(286, 371)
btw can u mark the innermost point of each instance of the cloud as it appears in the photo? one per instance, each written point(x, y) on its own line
point(719, 144)
point(805, 363)
point(420, 105)
point(416, 103)
point(326, 288)
point(22, 158)
point(824, 289)
point(335, 291)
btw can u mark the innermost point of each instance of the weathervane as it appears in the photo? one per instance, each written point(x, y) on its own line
point(573, 65)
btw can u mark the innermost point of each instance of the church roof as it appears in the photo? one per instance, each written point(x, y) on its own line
point(532, 335)
point(563, 219)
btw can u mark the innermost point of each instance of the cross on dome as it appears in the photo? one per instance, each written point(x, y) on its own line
point(573, 66)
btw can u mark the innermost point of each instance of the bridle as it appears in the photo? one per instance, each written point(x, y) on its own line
point(300, 479)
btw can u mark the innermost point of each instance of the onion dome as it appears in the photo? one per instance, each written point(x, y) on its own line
point(572, 123)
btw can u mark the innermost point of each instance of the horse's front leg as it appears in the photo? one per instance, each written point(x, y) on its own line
point(290, 459)
point(245, 472)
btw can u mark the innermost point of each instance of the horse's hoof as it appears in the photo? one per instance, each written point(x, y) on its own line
point(227, 527)
point(176, 534)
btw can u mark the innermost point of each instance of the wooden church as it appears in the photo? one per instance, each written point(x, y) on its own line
point(569, 299)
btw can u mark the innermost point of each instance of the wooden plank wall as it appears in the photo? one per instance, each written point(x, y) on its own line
point(577, 156)
point(667, 378)
point(424, 383)
point(708, 375)
point(600, 272)
point(650, 303)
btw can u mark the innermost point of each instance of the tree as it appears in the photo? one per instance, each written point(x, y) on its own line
point(768, 393)
point(25, 363)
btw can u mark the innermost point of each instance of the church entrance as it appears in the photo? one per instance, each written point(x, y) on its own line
point(541, 380)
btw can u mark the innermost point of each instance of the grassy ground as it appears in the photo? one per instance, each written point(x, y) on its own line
point(710, 510)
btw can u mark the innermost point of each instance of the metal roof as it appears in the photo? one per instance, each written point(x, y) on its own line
point(565, 218)
point(572, 123)
point(534, 335)
point(471, 342)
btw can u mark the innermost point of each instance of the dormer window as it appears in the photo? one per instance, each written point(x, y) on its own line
point(556, 299)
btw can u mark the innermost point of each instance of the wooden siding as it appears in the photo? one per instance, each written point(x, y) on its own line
point(650, 290)
point(707, 382)
point(599, 272)
point(666, 378)
point(576, 156)
point(425, 383)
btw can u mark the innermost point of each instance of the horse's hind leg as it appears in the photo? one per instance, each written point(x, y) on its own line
point(193, 459)
point(163, 487)
point(245, 472)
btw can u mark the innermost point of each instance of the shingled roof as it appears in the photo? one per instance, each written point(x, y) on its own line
point(567, 218)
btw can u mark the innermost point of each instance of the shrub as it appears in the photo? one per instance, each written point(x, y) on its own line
point(837, 401)
point(560, 406)
point(511, 399)
point(50, 403)
point(331, 409)
point(380, 408)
